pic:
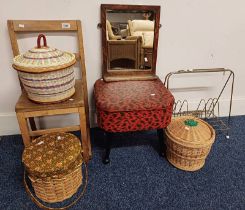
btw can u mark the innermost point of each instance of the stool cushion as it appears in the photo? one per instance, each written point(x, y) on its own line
point(132, 105)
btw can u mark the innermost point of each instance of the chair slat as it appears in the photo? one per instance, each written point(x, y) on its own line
point(44, 25)
point(55, 130)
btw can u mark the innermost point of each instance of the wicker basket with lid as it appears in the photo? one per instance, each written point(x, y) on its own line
point(53, 163)
point(46, 73)
point(189, 141)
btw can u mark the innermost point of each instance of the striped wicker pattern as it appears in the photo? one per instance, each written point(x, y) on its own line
point(188, 144)
point(46, 73)
point(59, 189)
point(49, 87)
point(43, 59)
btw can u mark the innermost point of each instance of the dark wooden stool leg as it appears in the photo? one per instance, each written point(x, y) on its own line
point(162, 146)
point(108, 138)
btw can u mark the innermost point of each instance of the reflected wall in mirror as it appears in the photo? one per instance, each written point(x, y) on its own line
point(130, 36)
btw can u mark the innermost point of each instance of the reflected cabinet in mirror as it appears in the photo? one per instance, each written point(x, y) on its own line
point(129, 40)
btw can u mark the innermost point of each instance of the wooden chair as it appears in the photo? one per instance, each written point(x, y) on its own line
point(26, 110)
point(124, 51)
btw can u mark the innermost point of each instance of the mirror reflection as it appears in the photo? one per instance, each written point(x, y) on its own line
point(130, 36)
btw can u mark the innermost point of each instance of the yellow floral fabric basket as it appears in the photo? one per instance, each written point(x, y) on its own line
point(189, 141)
point(53, 163)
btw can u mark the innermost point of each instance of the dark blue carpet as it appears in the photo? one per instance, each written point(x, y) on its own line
point(138, 178)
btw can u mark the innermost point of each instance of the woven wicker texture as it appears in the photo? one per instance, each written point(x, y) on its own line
point(49, 86)
point(43, 59)
point(53, 162)
point(54, 190)
point(189, 141)
point(47, 74)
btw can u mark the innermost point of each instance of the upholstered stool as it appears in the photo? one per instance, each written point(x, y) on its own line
point(124, 106)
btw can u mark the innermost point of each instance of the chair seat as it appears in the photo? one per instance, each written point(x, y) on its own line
point(132, 105)
point(26, 105)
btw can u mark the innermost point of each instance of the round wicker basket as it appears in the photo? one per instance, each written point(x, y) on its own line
point(53, 163)
point(46, 73)
point(188, 141)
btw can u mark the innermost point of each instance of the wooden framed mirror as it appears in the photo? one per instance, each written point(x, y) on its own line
point(129, 41)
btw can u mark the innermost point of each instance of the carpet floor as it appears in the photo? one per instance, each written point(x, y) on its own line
point(138, 178)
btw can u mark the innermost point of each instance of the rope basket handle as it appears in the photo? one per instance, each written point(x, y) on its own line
point(40, 36)
point(39, 204)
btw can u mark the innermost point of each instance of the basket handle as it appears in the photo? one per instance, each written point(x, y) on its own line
point(39, 204)
point(40, 36)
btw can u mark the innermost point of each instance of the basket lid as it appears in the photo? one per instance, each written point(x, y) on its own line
point(52, 154)
point(190, 130)
point(43, 58)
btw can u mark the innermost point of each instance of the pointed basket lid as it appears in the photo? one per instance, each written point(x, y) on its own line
point(52, 154)
point(43, 58)
point(190, 131)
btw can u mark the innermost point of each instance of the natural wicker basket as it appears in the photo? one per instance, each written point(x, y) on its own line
point(52, 190)
point(46, 73)
point(188, 141)
point(53, 163)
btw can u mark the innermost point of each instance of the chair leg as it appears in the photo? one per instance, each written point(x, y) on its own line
point(84, 134)
point(23, 124)
point(162, 146)
point(106, 157)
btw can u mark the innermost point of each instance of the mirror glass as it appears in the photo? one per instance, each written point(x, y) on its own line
point(129, 39)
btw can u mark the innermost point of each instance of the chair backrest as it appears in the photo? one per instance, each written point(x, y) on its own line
point(16, 27)
point(109, 33)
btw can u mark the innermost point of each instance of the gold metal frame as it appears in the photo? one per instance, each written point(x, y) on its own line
point(207, 109)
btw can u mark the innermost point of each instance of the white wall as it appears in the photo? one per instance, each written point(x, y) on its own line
point(194, 34)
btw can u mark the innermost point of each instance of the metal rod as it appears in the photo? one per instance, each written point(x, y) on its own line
point(208, 111)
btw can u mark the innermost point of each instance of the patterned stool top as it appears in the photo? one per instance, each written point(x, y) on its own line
point(131, 95)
